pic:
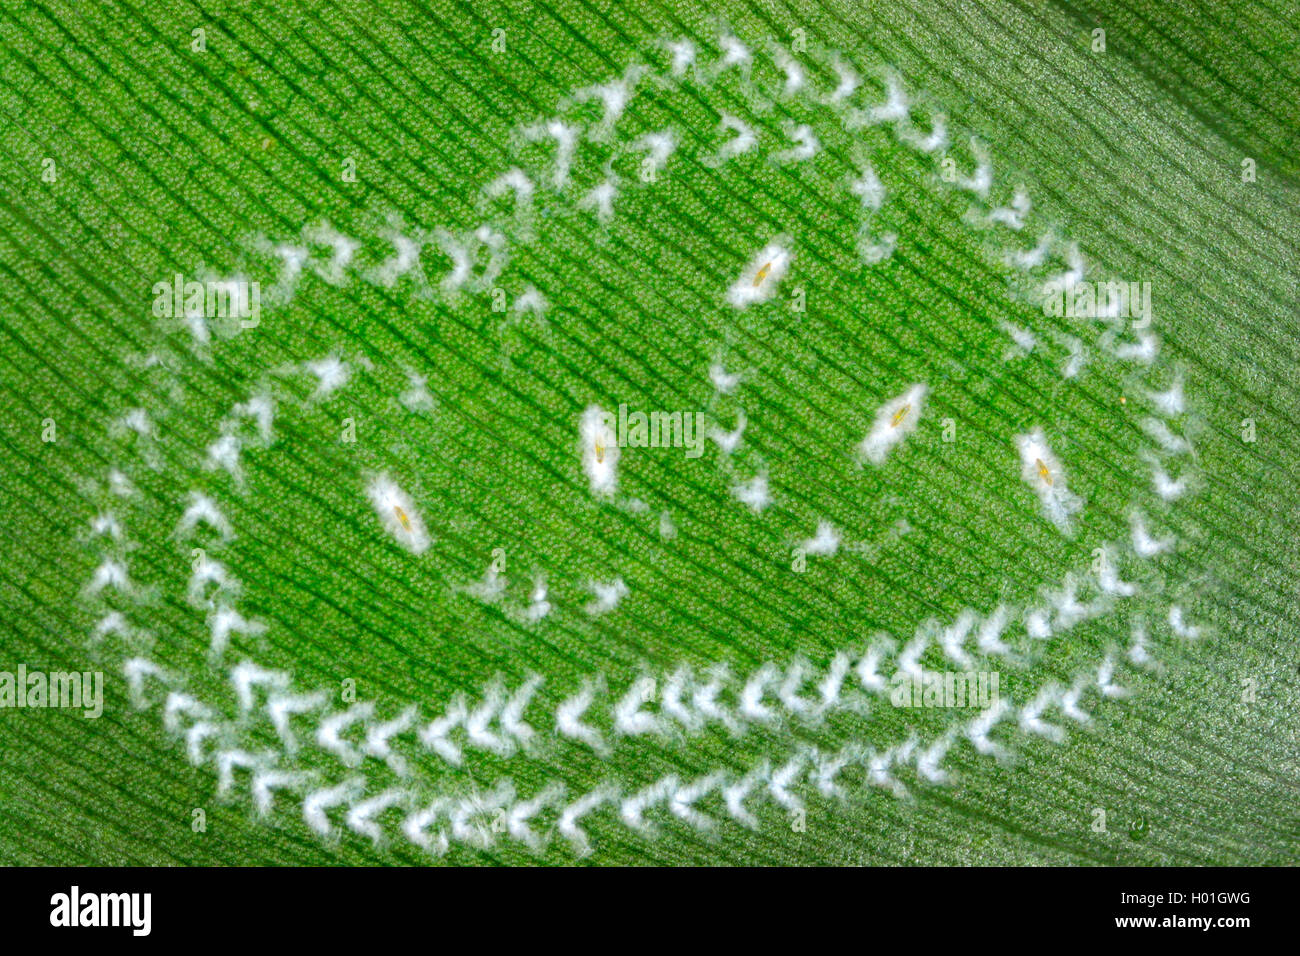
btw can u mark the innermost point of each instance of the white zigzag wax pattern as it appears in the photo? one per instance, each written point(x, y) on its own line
point(257, 744)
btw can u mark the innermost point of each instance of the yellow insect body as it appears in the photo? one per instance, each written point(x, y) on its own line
point(600, 451)
point(900, 415)
point(762, 274)
point(401, 516)
point(1043, 471)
